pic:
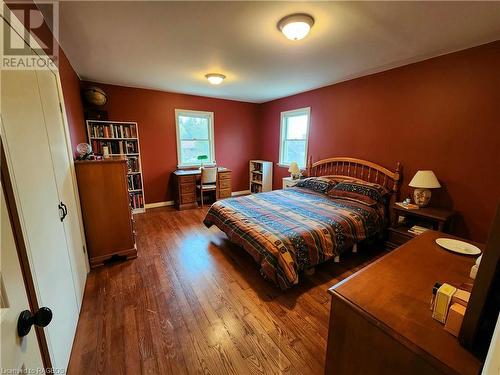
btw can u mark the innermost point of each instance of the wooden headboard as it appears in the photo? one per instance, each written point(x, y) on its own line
point(344, 168)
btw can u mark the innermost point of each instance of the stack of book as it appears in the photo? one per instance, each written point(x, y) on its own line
point(112, 131)
point(136, 200)
point(115, 147)
point(408, 206)
point(417, 229)
point(134, 182)
point(133, 165)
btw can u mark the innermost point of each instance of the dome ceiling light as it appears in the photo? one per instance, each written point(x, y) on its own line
point(215, 78)
point(296, 26)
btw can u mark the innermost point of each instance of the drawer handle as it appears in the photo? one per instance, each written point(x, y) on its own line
point(64, 210)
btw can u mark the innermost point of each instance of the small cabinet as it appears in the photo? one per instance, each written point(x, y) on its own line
point(224, 188)
point(261, 176)
point(185, 190)
point(403, 219)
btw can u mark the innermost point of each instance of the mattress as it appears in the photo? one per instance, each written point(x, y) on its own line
point(287, 231)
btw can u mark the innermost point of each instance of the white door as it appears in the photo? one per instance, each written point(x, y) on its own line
point(30, 163)
point(16, 353)
point(63, 168)
point(38, 159)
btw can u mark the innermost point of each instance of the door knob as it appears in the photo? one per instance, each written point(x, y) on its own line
point(41, 318)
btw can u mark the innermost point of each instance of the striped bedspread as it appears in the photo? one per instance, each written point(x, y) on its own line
point(289, 230)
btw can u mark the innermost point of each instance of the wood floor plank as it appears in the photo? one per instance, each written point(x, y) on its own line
point(131, 357)
point(193, 303)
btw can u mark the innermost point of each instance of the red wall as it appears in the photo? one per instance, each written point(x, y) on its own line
point(71, 91)
point(441, 114)
point(235, 127)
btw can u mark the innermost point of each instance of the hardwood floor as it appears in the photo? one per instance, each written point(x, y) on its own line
point(192, 303)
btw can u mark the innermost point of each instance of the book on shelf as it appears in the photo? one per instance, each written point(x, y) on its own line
point(121, 138)
point(130, 147)
point(417, 229)
point(98, 130)
point(257, 168)
point(256, 188)
point(115, 147)
point(136, 200)
point(133, 165)
point(257, 177)
point(134, 182)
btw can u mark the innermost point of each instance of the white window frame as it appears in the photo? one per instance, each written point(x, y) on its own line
point(211, 140)
point(284, 115)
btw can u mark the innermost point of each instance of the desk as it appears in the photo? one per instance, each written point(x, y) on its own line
point(185, 186)
point(380, 321)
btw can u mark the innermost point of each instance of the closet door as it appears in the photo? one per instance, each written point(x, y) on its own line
point(15, 353)
point(62, 164)
point(30, 160)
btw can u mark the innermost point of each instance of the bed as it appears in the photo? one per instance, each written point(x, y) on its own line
point(292, 230)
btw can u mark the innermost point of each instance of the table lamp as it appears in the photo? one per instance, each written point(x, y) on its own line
point(294, 170)
point(423, 181)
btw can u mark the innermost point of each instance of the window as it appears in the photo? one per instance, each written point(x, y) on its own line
point(294, 135)
point(195, 137)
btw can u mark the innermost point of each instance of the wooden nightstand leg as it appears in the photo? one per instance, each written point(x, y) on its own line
point(451, 225)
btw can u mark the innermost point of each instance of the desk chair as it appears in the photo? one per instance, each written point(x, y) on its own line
point(208, 181)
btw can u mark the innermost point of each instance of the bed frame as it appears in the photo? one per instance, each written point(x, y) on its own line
point(344, 168)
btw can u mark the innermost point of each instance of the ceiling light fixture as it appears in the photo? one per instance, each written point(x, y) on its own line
point(215, 78)
point(296, 26)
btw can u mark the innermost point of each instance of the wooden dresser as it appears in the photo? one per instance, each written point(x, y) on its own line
point(185, 186)
point(106, 211)
point(380, 317)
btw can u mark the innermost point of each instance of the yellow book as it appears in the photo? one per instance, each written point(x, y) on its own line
point(442, 302)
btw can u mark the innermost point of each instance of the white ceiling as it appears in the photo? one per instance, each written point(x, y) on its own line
point(170, 46)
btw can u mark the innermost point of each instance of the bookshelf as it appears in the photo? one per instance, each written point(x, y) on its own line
point(261, 176)
point(122, 139)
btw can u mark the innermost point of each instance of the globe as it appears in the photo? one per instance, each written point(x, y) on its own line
point(95, 95)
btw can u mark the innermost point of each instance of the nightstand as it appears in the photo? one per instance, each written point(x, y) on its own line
point(289, 182)
point(438, 219)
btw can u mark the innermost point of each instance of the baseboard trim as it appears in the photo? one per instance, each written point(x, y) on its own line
point(158, 204)
point(242, 192)
point(171, 203)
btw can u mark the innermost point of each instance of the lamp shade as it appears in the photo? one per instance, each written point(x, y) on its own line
point(294, 168)
point(425, 180)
